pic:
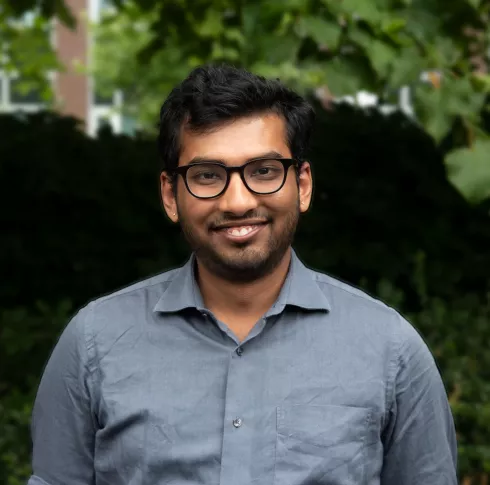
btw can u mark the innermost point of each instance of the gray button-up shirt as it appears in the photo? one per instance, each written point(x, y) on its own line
point(147, 387)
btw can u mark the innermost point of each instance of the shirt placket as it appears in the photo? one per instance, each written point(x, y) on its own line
point(237, 429)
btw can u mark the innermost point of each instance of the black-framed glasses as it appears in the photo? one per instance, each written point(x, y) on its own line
point(261, 176)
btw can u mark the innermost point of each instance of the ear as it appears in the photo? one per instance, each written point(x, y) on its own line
point(305, 185)
point(168, 197)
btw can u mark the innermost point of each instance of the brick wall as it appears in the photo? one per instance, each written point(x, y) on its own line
point(71, 88)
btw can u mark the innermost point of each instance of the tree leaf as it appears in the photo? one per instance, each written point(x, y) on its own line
point(64, 13)
point(438, 107)
point(251, 13)
point(381, 55)
point(366, 10)
point(343, 76)
point(393, 25)
point(474, 3)
point(469, 170)
point(235, 35)
point(276, 49)
point(406, 68)
point(321, 31)
point(212, 24)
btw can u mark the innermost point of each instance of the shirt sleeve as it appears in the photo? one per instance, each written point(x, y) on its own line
point(63, 426)
point(419, 439)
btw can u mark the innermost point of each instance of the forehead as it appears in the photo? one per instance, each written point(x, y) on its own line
point(237, 141)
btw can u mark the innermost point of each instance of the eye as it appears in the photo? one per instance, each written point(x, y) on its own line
point(263, 170)
point(205, 175)
point(266, 170)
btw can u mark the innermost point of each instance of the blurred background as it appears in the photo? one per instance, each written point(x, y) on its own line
point(401, 158)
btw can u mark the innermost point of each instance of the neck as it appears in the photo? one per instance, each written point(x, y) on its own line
point(251, 298)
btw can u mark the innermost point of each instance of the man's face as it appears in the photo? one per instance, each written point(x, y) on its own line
point(266, 223)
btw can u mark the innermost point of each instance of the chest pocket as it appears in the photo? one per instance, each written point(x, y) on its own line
point(322, 444)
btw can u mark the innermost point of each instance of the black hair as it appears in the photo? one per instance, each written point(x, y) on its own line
point(212, 95)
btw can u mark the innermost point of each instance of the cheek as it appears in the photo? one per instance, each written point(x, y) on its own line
point(194, 212)
point(286, 199)
point(185, 201)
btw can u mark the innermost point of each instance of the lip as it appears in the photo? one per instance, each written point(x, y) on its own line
point(222, 232)
point(251, 222)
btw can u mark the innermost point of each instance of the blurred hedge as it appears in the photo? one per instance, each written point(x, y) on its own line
point(82, 217)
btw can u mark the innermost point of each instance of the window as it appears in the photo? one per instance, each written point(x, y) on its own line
point(14, 97)
point(129, 125)
point(99, 6)
point(18, 95)
point(100, 116)
point(102, 100)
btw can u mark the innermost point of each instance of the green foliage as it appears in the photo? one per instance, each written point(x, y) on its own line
point(25, 30)
point(86, 219)
point(47, 9)
point(438, 48)
point(15, 414)
point(27, 337)
point(470, 168)
point(27, 50)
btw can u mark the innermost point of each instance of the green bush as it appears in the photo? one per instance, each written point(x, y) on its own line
point(27, 338)
point(15, 415)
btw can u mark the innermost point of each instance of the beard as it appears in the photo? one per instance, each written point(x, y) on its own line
point(247, 262)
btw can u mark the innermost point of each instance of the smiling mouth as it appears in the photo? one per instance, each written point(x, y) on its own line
point(240, 232)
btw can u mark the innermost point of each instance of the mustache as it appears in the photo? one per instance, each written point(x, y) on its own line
point(230, 219)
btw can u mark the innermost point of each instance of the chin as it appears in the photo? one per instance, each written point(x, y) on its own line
point(248, 264)
point(248, 254)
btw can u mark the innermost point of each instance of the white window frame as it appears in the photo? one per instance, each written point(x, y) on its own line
point(6, 104)
point(112, 114)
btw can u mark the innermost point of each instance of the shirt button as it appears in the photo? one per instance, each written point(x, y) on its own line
point(239, 351)
point(237, 422)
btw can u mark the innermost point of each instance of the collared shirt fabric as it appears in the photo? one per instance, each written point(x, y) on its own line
point(146, 387)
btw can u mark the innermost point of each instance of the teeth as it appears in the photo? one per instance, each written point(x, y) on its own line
point(240, 231)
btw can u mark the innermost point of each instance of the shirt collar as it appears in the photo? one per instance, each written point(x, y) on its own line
point(300, 289)
point(182, 292)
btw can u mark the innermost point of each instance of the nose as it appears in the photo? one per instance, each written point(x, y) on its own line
point(237, 199)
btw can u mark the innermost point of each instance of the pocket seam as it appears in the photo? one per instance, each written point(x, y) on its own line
point(367, 422)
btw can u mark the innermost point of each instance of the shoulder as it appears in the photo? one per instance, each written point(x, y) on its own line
point(379, 331)
point(352, 306)
point(342, 295)
point(145, 292)
point(155, 283)
point(106, 317)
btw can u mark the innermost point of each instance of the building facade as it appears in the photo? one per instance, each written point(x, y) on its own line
point(74, 92)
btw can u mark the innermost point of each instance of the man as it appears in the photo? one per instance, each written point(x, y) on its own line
point(244, 366)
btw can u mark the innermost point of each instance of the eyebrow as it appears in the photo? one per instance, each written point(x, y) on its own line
point(271, 154)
